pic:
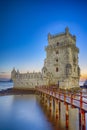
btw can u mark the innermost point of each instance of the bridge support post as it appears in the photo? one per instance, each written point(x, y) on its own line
point(56, 109)
point(42, 95)
point(79, 119)
point(67, 115)
point(72, 98)
point(64, 97)
point(59, 107)
point(46, 100)
point(83, 121)
point(50, 104)
point(81, 100)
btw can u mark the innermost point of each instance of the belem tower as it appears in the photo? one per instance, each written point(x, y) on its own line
point(60, 66)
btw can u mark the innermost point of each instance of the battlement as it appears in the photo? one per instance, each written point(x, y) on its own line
point(65, 34)
point(16, 74)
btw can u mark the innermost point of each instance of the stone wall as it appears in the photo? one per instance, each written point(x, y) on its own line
point(60, 66)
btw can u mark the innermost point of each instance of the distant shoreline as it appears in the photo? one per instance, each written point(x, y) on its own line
point(12, 91)
point(9, 80)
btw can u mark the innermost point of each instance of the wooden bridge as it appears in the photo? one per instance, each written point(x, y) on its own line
point(75, 100)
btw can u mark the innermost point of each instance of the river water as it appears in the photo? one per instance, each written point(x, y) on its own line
point(5, 85)
point(24, 112)
point(21, 112)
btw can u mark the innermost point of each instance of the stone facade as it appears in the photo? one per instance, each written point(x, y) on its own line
point(26, 80)
point(60, 66)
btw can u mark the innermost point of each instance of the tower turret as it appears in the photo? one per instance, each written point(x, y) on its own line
point(62, 59)
point(13, 74)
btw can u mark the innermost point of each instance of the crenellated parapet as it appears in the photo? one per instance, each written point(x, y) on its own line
point(63, 36)
point(17, 75)
point(26, 80)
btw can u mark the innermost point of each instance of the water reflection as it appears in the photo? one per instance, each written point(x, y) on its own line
point(22, 113)
point(51, 117)
point(25, 112)
point(68, 118)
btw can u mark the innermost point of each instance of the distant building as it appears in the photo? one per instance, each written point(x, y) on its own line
point(60, 66)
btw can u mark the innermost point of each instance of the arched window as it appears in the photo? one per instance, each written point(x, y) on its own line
point(68, 69)
point(56, 60)
point(56, 69)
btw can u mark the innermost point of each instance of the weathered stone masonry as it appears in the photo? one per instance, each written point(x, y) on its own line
point(60, 66)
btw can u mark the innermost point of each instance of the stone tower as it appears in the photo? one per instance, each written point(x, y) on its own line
point(61, 63)
point(60, 66)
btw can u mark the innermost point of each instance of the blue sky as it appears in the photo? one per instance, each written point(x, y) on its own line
point(24, 25)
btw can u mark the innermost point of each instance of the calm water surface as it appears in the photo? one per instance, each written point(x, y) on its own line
point(22, 113)
point(5, 85)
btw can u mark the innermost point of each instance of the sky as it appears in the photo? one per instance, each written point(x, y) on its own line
point(24, 25)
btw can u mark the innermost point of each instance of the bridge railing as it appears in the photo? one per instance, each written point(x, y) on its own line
point(74, 99)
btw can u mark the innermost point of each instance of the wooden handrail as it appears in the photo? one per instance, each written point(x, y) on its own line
point(64, 95)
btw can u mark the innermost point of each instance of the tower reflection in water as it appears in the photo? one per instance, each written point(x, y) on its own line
point(62, 116)
point(29, 112)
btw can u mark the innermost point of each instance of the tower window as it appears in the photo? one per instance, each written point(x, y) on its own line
point(56, 60)
point(57, 69)
point(57, 43)
point(57, 52)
